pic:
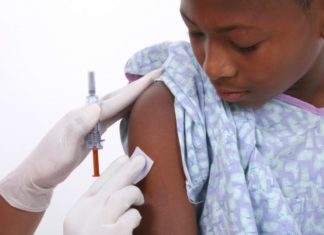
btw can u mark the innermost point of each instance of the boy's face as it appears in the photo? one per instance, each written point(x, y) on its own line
point(252, 50)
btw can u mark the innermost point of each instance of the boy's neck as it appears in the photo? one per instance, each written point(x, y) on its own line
point(310, 88)
point(315, 100)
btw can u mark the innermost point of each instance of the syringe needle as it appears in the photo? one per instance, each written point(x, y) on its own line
point(95, 162)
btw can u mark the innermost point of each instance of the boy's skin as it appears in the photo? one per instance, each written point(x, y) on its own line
point(283, 53)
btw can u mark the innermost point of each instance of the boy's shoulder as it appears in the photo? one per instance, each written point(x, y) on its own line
point(183, 79)
point(156, 56)
point(156, 101)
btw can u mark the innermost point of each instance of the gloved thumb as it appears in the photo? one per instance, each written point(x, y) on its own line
point(117, 103)
point(81, 121)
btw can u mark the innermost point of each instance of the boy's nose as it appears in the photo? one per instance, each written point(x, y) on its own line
point(217, 63)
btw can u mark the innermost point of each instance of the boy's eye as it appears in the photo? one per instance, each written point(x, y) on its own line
point(246, 49)
point(196, 34)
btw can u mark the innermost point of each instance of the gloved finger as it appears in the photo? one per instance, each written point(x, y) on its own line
point(78, 123)
point(129, 220)
point(124, 176)
point(107, 175)
point(119, 101)
point(150, 76)
point(110, 121)
point(66, 135)
point(120, 201)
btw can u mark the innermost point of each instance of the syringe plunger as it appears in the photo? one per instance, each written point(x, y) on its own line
point(91, 84)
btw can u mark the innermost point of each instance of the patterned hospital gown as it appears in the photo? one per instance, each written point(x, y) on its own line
point(248, 171)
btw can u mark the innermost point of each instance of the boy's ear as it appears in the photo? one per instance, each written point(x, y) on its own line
point(321, 6)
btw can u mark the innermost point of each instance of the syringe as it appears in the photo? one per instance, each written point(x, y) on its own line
point(93, 139)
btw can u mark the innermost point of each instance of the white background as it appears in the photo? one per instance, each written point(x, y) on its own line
point(46, 50)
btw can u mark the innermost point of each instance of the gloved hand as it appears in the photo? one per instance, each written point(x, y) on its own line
point(105, 208)
point(30, 186)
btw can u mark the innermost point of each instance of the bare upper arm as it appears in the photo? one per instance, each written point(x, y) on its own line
point(152, 127)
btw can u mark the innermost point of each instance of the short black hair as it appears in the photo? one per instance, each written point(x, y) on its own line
point(305, 4)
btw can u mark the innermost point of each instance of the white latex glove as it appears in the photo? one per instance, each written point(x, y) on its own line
point(105, 208)
point(30, 186)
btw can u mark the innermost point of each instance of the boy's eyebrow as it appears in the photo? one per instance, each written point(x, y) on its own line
point(186, 17)
point(221, 29)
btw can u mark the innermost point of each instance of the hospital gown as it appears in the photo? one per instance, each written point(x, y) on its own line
point(248, 170)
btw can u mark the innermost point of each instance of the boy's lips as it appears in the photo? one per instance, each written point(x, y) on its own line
point(232, 95)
